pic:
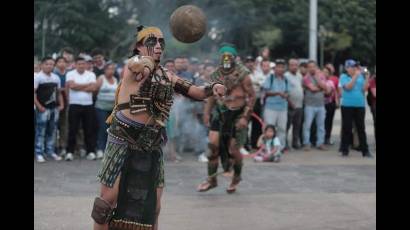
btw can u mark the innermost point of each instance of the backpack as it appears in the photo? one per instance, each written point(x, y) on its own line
point(272, 78)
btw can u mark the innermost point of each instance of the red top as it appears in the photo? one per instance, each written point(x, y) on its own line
point(372, 85)
point(335, 81)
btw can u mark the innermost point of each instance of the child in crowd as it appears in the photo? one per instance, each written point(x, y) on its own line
point(269, 146)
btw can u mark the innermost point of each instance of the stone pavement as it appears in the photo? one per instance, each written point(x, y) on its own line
point(307, 191)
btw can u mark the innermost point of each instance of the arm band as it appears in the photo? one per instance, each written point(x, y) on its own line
point(209, 89)
point(182, 86)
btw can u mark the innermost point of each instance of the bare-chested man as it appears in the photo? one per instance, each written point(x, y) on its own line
point(132, 173)
point(229, 121)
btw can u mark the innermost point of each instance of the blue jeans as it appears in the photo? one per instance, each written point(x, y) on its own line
point(319, 114)
point(46, 127)
point(102, 115)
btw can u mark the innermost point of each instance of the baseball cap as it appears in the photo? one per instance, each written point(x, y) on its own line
point(249, 58)
point(350, 63)
point(194, 60)
point(280, 61)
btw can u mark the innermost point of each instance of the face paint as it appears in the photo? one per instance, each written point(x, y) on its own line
point(151, 42)
point(227, 61)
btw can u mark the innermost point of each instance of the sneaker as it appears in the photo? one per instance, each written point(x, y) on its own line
point(306, 148)
point(56, 157)
point(83, 153)
point(202, 158)
point(258, 159)
point(63, 152)
point(329, 142)
point(322, 147)
point(69, 157)
point(40, 159)
point(100, 154)
point(243, 151)
point(344, 154)
point(276, 159)
point(91, 156)
point(368, 155)
point(296, 147)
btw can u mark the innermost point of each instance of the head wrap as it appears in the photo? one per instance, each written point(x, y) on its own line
point(228, 49)
point(143, 32)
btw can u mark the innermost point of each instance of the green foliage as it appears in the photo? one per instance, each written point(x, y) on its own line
point(283, 26)
point(269, 37)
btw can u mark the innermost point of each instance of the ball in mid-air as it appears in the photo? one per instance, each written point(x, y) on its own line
point(188, 23)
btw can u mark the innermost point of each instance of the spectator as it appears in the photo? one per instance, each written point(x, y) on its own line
point(295, 108)
point(98, 61)
point(276, 104)
point(250, 63)
point(193, 67)
point(257, 81)
point(209, 68)
point(269, 146)
point(106, 86)
point(181, 66)
point(48, 101)
point(199, 113)
point(372, 101)
point(89, 64)
point(61, 70)
point(36, 68)
point(68, 54)
point(81, 84)
point(303, 72)
point(315, 85)
point(170, 65)
point(170, 152)
point(204, 78)
point(303, 68)
point(264, 54)
point(331, 103)
point(353, 87)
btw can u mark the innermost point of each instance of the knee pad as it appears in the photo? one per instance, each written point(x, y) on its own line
point(213, 151)
point(102, 211)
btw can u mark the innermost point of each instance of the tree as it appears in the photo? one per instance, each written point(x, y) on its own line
point(249, 24)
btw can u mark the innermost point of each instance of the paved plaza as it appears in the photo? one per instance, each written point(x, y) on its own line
point(312, 190)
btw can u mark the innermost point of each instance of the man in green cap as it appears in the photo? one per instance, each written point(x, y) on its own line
point(229, 119)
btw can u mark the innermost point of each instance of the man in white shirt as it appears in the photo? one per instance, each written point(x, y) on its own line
point(81, 85)
point(295, 111)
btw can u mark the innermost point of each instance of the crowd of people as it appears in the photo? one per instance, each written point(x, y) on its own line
point(74, 95)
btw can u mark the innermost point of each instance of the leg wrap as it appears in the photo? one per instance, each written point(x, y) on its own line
point(102, 211)
point(213, 152)
point(237, 168)
point(212, 168)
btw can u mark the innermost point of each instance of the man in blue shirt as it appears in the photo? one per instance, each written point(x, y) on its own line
point(181, 67)
point(276, 91)
point(61, 71)
point(353, 86)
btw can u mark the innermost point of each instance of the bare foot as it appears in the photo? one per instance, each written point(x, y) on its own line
point(232, 186)
point(228, 174)
point(206, 185)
